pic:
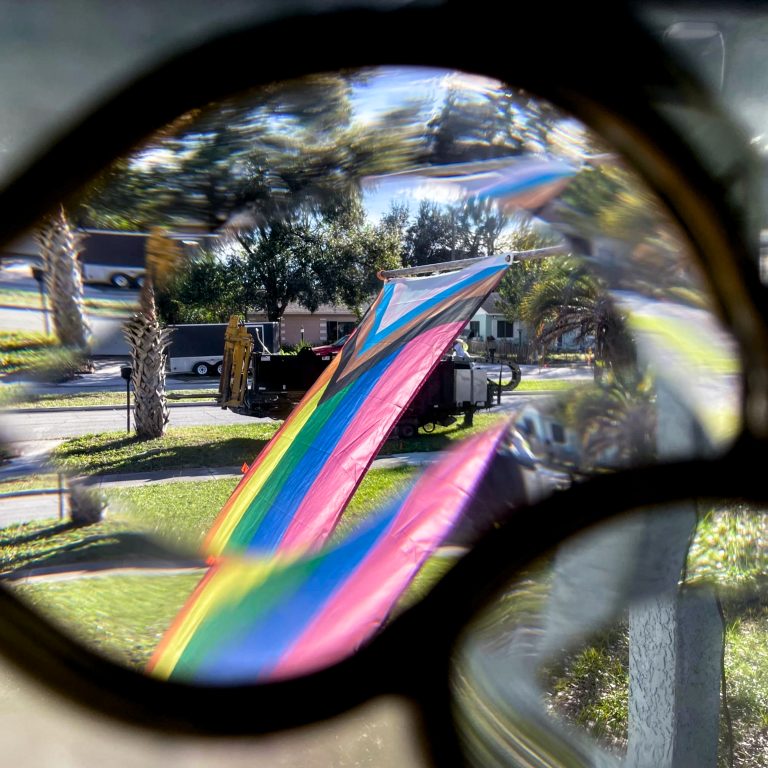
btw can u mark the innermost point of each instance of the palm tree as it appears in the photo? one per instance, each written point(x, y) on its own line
point(569, 299)
point(59, 248)
point(148, 341)
point(616, 423)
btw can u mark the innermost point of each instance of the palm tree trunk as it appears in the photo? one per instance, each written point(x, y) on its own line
point(59, 247)
point(148, 342)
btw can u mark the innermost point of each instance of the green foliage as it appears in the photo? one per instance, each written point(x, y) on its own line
point(590, 688)
point(306, 257)
point(279, 164)
point(352, 252)
point(522, 276)
point(615, 422)
point(202, 292)
point(430, 238)
point(746, 671)
point(447, 232)
point(609, 201)
point(495, 123)
point(730, 547)
point(256, 158)
point(613, 202)
point(569, 299)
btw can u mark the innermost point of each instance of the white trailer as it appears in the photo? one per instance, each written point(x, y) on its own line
point(199, 347)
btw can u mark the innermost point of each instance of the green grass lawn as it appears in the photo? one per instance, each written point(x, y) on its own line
point(179, 514)
point(154, 527)
point(122, 617)
point(180, 448)
point(546, 385)
point(30, 299)
point(216, 446)
point(30, 483)
point(30, 351)
point(175, 517)
point(17, 398)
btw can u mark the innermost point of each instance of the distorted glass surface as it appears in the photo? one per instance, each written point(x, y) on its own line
point(725, 49)
point(642, 642)
point(552, 325)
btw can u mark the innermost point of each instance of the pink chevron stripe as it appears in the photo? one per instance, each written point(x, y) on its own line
point(430, 511)
point(324, 502)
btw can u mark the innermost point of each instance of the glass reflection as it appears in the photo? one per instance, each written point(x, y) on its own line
point(641, 643)
point(599, 349)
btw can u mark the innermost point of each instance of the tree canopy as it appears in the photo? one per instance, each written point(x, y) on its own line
point(309, 258)
point(276, 173)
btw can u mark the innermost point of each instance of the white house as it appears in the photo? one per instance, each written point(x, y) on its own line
point(489, 320)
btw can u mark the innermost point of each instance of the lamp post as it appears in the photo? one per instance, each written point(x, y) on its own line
point(125, 372)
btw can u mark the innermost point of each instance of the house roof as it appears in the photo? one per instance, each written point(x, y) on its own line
point(324, 309)
point(492, 304)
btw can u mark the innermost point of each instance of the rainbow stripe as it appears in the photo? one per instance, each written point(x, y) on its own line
point(249, 620)
point(291, 498)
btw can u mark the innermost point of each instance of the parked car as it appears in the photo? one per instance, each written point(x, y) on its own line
point(330, 349)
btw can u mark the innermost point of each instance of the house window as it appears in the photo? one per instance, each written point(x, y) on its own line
point(474, 328)
point(505, 329)
point(338, 328)
point(558, 433)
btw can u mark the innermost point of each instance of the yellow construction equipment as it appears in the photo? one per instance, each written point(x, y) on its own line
point(238, 347)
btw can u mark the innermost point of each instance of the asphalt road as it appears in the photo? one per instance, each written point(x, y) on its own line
point(46, 425)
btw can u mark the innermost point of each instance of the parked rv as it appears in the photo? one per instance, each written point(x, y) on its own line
point(199, 347)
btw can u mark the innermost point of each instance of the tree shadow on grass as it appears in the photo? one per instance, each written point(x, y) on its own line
point(422, 443)
point(43, 533)
point(216, 453)
point(107, 551)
